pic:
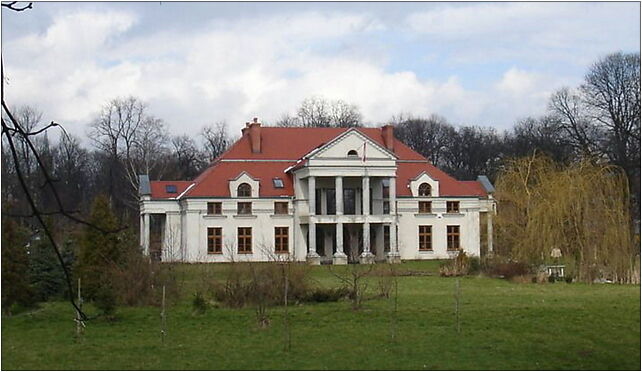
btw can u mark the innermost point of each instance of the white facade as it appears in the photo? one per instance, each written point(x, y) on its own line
point(350, 221)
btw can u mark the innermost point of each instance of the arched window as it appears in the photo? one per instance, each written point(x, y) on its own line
point(352, 153)
point(425, 189)
point(244, 190)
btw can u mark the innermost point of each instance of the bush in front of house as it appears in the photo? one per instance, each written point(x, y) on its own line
point(459, 266)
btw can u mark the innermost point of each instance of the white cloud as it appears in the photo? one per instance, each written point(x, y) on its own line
point(236, 70)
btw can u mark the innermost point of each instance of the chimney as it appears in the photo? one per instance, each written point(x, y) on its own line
point(388, 136)
point(244, 130)
point(255, 135)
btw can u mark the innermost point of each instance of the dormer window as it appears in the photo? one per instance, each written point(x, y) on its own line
point(352, 154)
point(278, 183)
point(244, 191)
point(170, 189)
point(425, 189)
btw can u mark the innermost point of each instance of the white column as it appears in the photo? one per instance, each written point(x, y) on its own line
point(339, 257)
point(365, 203)
point(366, 256)
point(393, 239)
point(313, 257)
point(489, 230)
point(146, 233)
point(312, 195)
point(142, 232)
point(338, 195)
point(392, 196)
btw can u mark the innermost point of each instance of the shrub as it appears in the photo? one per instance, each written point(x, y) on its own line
point(474, 265)
point(507, 269)
point(199, 304)
point(457, 267)
point(262, 284)
point(551, 278)
point(385, 280)
point(327, 294)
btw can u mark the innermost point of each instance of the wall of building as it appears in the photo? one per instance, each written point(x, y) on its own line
point(410, 219)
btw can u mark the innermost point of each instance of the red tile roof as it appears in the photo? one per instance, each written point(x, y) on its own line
point(291, 144)
point(159, 190)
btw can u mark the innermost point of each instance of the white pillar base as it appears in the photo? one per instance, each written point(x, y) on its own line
point(339, 258)
point(313, 258)
point(367, 258)
point(393, 257)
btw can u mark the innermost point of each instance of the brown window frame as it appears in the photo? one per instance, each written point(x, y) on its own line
point(244, 240)
point(452, 207)
point(241, 210)
point(244, 190)
point(423, 192)
point(453, 237)
point(425, 237)
point(425, 207)
point(214, 240)
point(214, 208)
point(281, 239)
point(281, 208)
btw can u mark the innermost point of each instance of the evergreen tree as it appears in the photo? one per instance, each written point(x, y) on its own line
point(100, 252)
point(15, 266)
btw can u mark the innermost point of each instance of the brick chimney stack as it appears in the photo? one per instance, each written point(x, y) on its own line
point(388, 136)
point(255, 135)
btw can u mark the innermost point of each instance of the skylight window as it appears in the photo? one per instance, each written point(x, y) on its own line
point(170, 189)
point(278, 183)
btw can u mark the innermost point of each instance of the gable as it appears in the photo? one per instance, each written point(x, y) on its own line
point(356, 144)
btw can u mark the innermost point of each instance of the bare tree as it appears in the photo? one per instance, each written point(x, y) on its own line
point(611, 92)
point(215, 139)
point(133, 140)
point(568, 108)
point(545, 134)
point(426, 136)
point(321, 112)
point(72, 172)
point(187, 159)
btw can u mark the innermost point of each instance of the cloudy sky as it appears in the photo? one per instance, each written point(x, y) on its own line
point(486, 64)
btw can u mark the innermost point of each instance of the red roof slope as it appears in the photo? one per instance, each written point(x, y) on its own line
point(159, 191)
point(289, 145)
point(215, 183)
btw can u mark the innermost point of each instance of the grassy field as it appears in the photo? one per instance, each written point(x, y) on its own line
point(504, 325)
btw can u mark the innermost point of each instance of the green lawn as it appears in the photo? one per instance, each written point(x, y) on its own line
point(503, 326)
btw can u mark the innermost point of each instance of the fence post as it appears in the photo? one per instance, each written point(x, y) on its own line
point(163, 320)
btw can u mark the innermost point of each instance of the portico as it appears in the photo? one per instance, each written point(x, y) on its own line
point(349, 182)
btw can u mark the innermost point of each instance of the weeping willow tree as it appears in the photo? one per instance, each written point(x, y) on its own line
point(581, 210)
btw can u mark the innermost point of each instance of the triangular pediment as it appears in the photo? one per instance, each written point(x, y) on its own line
point(352, 144)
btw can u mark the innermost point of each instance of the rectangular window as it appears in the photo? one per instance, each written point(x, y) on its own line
point(349, 201)
point(214, 240)
point(425, 238)
point(244, 208)
point(453, 237)
point(245, 239)
point(385, 188)
point(214, 208)
point(452, 207)
point(281, 238)
point(425, 207)
point(386, 207)
point(317, 201)
point(281, 208)
point(386, 238)
point(331, 202)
